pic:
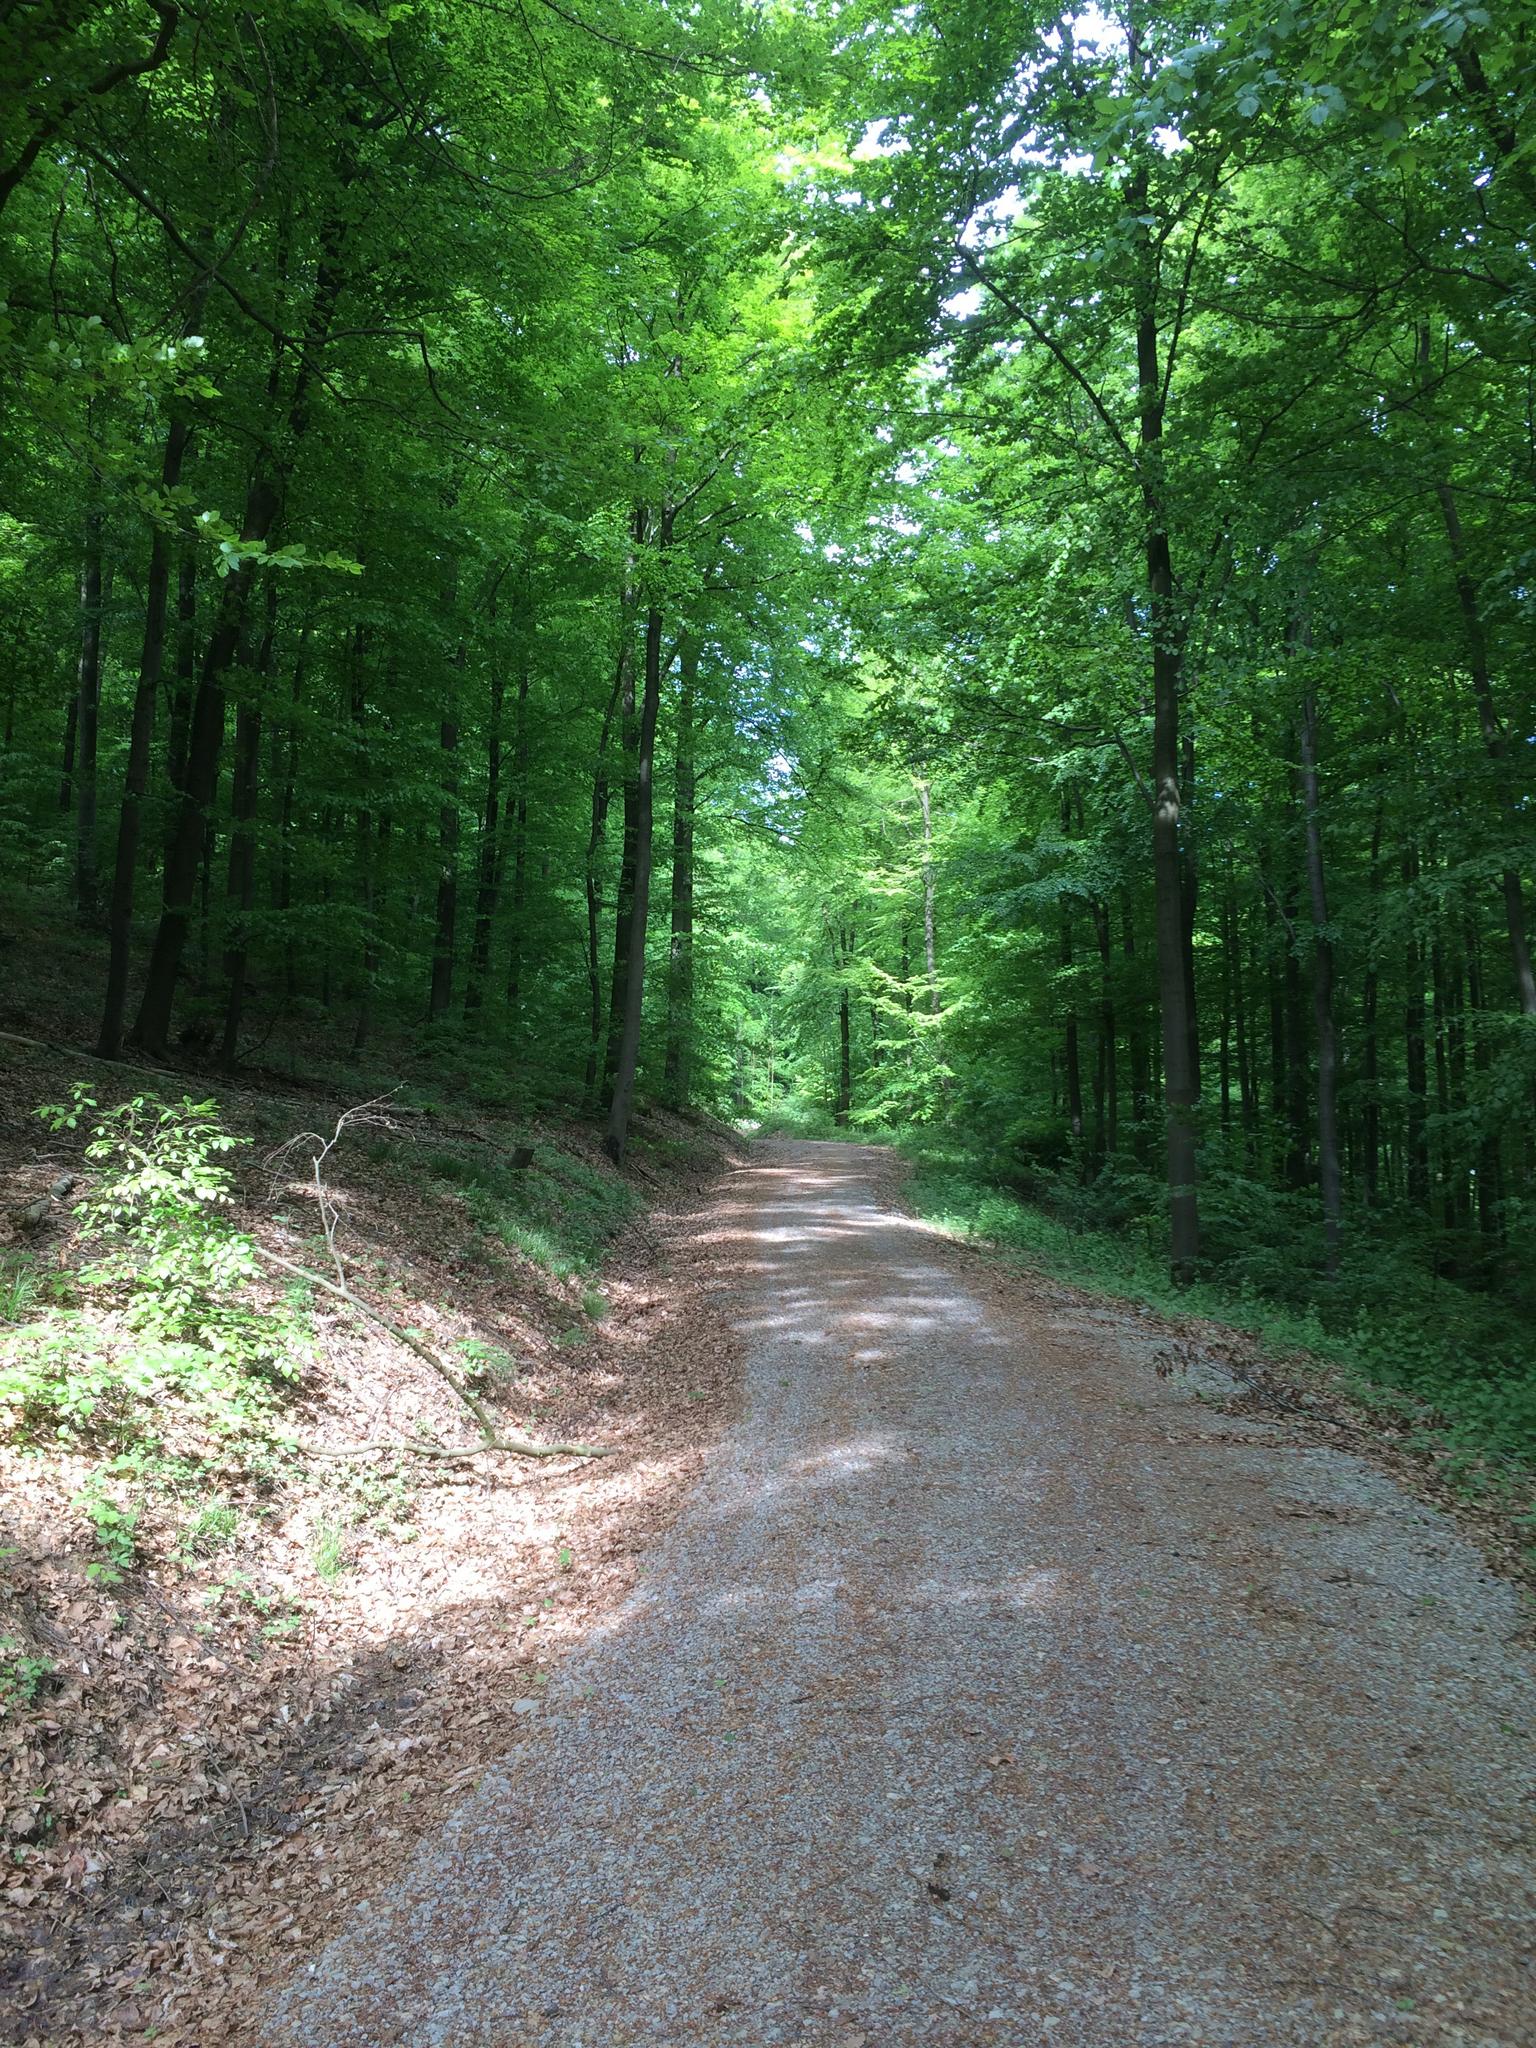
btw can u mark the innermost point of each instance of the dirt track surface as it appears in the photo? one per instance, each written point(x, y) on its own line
point(989, 1690)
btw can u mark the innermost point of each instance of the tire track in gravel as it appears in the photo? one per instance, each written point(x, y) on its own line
point(988, 1693)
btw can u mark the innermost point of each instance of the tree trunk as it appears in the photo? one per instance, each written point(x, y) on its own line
point(445, 923)
point(1370, 1054)
point(205, 738)
point(67, 759)
point(88, 723)
point(491, 852)
point(157, 591)
point(1446, 1168)
point(1298, 1129)
point(283, 902)
point(600, 801)
point(1107, 1072)
point(843, 1106)
point(627, 1063)
point(1180, 1080)
point(241, 883)
point(624, 906)
point(1330, 1178)
point(1071, 1061)
point(1415, 1055)
point(930, 953)
point(519, 821)
point(1494, 744)
point(679, 1067)
point(205, 726)
point(1137, 1052)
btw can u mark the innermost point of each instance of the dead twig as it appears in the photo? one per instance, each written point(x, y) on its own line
point(491, 1439)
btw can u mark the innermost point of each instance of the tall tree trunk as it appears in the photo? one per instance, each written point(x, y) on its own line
point(519, 823)
point(67, 753)
point(844, 1060)
point(205, 727)
point(1370, 1051)
point(594, 888)
point(88, 722)
point(1071, 1060)
point(205, 739)
point(1330, 1178)
point(1494, 744)
point(445, 922)
point(183, 681)
point(624, 919)
point(1107, 1073)
point(930, 951)
point(1450, 1201)
point(1189, 892)
point(283, 900)
point(1180, 1079)
point(1298, 1125)
point(1137, 1052)
point(679, 1067)
point(157, 591)
point(1415, 1056)
point(1225, 1045)
point(490, 853)
point(627, 1063)
point(364, 877)
point(241, 883)
point(1490, 1174)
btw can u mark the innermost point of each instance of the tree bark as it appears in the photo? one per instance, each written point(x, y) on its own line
point(1180, 1081)
point(1107, 1072)
point(1494, 744)
point(594, 892)
point(624, 905)
point(679, 1066)
point(1071, 1061)
point(490, 856)
point(1330, 1178)
point(240, 886)
point(445, 923)
point(157, 591)
point(205, 727)
point(930, 951)
point(205, 738)
point(627, 1062)
point(519, 823)
point(1415, 1055)
point(88, 722)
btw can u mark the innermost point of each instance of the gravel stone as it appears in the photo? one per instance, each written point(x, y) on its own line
point(990, 1691)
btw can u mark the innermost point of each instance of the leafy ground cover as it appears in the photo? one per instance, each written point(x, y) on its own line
point(230, 1650)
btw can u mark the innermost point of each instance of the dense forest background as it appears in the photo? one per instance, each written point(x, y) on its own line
point(960, 569)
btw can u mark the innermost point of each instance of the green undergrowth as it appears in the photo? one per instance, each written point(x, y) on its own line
point(560, 1212)
point(798, 1117)
point(160, 1336)
point(1458, 1368)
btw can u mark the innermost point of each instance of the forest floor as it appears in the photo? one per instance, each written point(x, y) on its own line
point(299, 1674)
point(1002, 1681)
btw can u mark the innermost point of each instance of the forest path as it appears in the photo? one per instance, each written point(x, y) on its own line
point(989, 1691)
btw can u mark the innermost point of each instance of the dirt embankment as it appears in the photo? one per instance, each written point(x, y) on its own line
point(301, 1670)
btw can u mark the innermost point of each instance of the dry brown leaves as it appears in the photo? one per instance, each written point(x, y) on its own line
point(231, 1747)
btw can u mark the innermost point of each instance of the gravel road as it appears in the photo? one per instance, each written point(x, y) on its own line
point(989, 1690)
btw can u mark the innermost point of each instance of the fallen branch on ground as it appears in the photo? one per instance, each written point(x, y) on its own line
point(519, 1446)
point(491, 1438)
